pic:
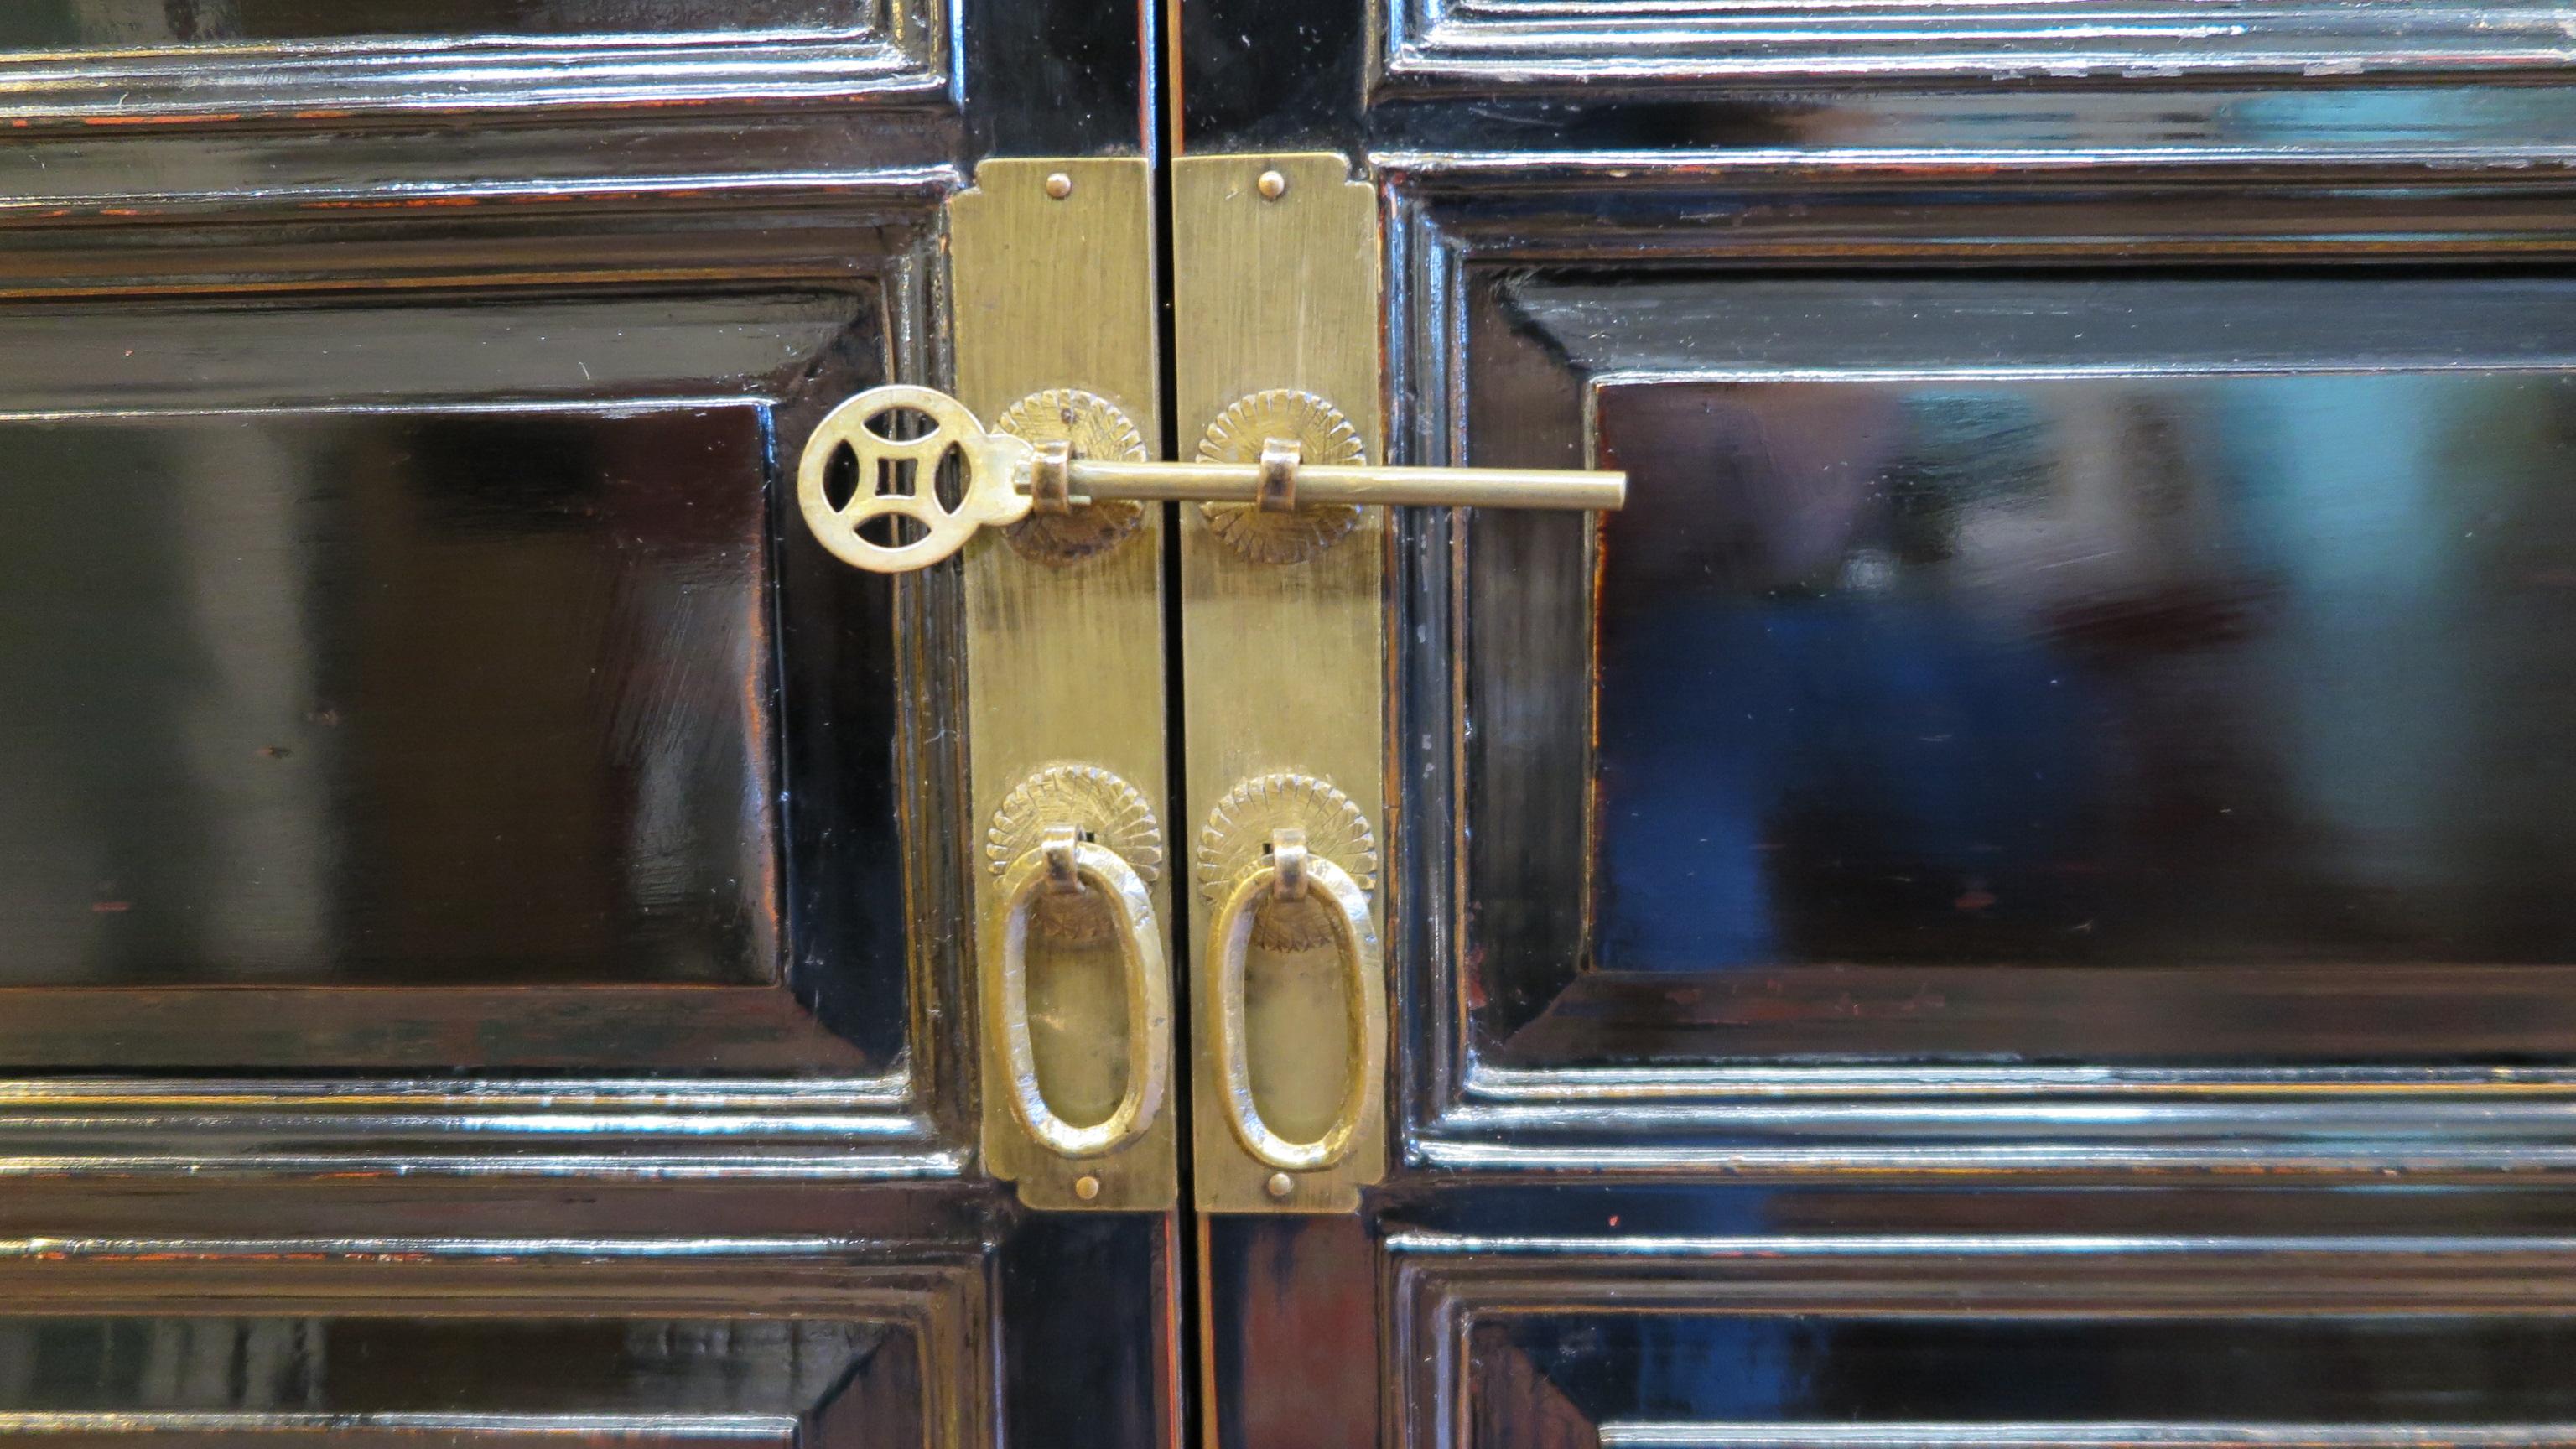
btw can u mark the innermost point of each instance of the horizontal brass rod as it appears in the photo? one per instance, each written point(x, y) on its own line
point(1393, 487)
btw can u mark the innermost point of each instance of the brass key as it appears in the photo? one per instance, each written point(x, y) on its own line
point(1007, 478)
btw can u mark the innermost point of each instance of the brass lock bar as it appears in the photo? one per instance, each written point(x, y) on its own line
point(901, 439)
point(1280, 483)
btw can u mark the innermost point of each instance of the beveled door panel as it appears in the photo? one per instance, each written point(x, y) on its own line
point(2129, 692)
point(247, 1343)
point(1713, 1342)
point(416, 682)
point(443, 612)
point(1850, 1313)
point(1461, 48)
point(223, 59)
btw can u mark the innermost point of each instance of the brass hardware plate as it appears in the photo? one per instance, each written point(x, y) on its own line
point(1052, 263)
point(1276, 277)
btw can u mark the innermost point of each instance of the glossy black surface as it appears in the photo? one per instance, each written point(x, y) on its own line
point(378, 1365)
point(106, 24)
point(1427, 79)
point(2134, 622)
point(451, 699)
point(2068, 729)
point(447, 648)
point(2216, 672)
point(482, 952)
point(1796, 1370)
point(710, 1312)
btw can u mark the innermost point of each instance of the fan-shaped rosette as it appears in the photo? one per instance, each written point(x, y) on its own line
point(1325, 439)
point(1112, 812)
point(1237, 836)
point(1096, 429)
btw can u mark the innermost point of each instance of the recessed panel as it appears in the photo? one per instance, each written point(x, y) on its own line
point(455, 698)
point(1497, 46)
point(430, 685)
point(2140, 671)
point(240, 1343)
point(1821, 1380)
point(1841, 1342)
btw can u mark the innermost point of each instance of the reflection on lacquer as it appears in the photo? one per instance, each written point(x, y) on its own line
point(2228, 672)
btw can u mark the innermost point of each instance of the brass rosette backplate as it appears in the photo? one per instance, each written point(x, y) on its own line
point(1325, 438)
point(1097, 430)
point(1107, 809)
point(1237, 834)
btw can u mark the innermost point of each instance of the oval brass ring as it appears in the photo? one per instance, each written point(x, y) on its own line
point(1364, 1006)
point(1149, 996)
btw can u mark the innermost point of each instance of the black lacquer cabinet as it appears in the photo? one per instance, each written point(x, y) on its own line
point(2020, 892)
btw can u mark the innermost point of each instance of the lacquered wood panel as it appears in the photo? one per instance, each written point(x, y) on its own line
point(1483, 47)
point(422, 696)
point(503, 1343)
point(2030, 664)
point(397, 646)
point(218, 60)
point(1595, 312)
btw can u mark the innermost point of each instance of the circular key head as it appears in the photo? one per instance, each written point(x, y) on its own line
point(901, 438)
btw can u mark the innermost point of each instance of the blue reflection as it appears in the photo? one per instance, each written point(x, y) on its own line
point(1927, 759)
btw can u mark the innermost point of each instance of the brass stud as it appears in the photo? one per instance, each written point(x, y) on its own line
point(1272, 185)
point(1086, 1188)
point(1280, 1184)
point(1059, 185)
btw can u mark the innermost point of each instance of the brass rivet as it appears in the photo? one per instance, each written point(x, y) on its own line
point(1272, 185)
point(1059, 185)
point(1280, 1184)
point(1086, 1188)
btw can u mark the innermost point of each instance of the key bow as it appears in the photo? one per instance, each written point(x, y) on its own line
point(898, 478)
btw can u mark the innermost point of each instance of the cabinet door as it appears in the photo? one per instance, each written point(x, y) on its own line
point(2063, 757)
point(481, 891)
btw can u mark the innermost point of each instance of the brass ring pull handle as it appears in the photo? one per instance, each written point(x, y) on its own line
point(1290, 874)
point(1066, 862)
point(1005, 478)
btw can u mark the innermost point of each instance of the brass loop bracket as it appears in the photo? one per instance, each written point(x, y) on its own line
point(1051, 478)
point(1248, 825)
point(1109, 811)
point(1288, 865)
point(1057, 851)
point(1278, 488)
point(1004, 479)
